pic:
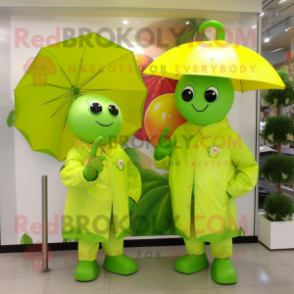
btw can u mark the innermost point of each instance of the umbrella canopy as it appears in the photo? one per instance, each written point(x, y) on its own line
point(246, 68)
point(61, 73)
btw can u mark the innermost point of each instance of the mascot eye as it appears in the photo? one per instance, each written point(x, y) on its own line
point(188, 93)
point(113, 109)
point(95, 107)
point(211, 94)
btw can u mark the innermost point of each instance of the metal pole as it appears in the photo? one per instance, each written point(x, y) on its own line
point(44, 224)
point(257, 154)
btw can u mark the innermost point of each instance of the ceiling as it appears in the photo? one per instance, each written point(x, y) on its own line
point(278, 16)
point(224, 5)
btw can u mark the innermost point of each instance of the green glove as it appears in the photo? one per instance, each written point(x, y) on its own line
point(94, 165)
point(164, 147)
point(132, 205)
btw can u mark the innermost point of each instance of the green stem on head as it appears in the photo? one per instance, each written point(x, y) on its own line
point(218, 26)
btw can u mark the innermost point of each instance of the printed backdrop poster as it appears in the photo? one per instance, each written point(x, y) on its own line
point(148, 38)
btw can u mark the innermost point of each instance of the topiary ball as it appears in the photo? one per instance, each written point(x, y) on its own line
point(284, 75)
point(278, 129)
point(281, 97)
point(278, 169)
point(278, 207)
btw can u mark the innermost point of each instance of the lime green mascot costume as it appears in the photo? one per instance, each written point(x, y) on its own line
point(209, 164)
point(103, 187)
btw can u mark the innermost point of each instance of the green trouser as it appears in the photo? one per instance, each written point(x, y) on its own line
point(113, 247)
point(221, 250)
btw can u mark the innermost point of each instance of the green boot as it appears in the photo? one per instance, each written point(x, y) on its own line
point(120, 264)
point(87, 270)
point(223, 272)
point(191, 263)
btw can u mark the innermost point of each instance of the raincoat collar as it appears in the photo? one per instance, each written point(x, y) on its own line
point(207, 130)
point(108, 148)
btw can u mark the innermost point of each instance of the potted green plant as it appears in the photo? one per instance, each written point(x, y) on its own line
point(278, 169)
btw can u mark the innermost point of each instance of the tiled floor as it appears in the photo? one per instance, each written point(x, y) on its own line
point(259, 271)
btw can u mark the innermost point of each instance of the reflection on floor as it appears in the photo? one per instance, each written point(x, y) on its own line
point(259, 271)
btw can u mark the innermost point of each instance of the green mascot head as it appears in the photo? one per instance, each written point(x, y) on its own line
point(91, 116)
point(204, 100)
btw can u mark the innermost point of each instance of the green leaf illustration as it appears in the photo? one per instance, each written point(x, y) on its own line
point(241, 232)
point(153, 214)
point(150, 178)
point(166, 175)
point(26, 239)
point(10, 119)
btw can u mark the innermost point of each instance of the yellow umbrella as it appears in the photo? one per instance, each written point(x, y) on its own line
point(246, 68)
point(61, 73)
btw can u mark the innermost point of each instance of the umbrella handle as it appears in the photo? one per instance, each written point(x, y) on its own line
point(218, 26)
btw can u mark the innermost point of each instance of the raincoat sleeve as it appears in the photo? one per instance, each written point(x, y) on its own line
point(72, 173)
point(246, 171)
point(134, 180)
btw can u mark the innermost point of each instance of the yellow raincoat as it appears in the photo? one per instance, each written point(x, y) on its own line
point(215, 163)
point(89, 204)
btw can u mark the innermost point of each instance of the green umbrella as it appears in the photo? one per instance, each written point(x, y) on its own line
point(62, 72)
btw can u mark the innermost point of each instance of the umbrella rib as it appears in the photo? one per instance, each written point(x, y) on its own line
point(241, 86)
point(60, 107)
point(47, 123)
point(65, 75)
point(59, 66)
point(34, 111)
point(52, 85)
point(59, 97)
point(79, 72)
point(64, 124)
point(65, 120)
point(94, 90)
point(91, 78)
point(85, 90)
point(113, 90)
point(238, 59)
